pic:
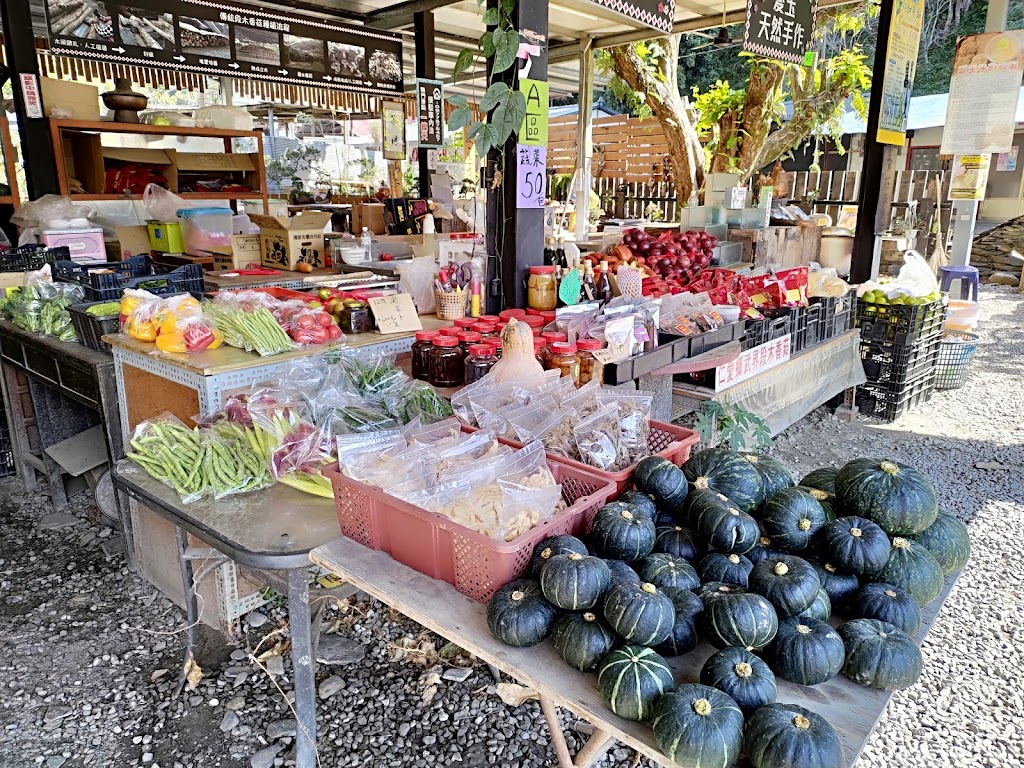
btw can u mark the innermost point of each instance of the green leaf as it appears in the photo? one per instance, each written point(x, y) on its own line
point(464, 61)
point(485, 139)
point(507, 6)
point(474, 129)
point(460, 118)
point(487, 44)
point(508, 116)
point(495, 95)
point(506, 46)
point(491, 17)
point(457, 101)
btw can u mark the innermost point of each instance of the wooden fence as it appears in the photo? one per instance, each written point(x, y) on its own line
point(625, 148)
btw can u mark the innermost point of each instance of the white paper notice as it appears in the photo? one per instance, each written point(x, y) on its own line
point(983, 94)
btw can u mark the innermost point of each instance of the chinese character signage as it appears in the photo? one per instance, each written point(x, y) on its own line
point(752, 362)
point(900, 66)
point(534, 130)
point(779, 29)
point(656, 14)
point(393, 130)
point(970, 177)
point(983, 95)
point(430, 113)
point(228, 39)
point(531, 170)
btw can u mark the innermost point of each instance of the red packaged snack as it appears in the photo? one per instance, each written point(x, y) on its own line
point(794, 286)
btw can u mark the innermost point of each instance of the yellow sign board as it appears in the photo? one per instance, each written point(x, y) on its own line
point(534, 131)
point(898, 82)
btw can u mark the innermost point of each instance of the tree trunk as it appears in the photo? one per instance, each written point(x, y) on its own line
point(661, 93)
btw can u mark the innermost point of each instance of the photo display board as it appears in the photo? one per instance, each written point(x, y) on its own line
point(228, 40)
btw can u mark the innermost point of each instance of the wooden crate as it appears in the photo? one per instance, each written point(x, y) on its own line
point(781, 247)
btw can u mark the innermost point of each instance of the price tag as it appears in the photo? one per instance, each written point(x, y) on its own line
point(531, 167)
point(605, 356)
point(395, 313)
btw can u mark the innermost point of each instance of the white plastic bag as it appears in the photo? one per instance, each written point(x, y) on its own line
point(416, 277)
point(227, 118)
point(50, 212)
point(162, 205)
point(915, 279)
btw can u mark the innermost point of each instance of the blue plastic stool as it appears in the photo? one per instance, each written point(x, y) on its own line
point(968, 277)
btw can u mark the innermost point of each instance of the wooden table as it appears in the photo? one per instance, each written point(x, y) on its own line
point(851, 709)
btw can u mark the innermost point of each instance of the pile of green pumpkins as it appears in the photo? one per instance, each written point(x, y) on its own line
point(730, 549)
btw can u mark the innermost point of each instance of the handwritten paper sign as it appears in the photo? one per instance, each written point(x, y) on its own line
point(534, 130)
point(395, 313)
point(752, 362)
point(531, 168)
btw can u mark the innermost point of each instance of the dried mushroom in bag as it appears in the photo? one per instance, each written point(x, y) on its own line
point(634, 424)
point(597, 439)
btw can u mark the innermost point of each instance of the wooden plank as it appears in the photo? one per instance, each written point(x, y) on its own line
point(851, 709)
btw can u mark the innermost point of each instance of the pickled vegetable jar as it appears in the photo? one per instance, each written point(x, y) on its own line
point(590, 368)
point(479, 361)
point(564, 358)
point(446, 369)
point(542, 288)
point(421, 354)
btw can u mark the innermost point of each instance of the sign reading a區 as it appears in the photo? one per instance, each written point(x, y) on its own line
point(779, 29)
point(752, 362)
point(534, 130)
point(430, 113)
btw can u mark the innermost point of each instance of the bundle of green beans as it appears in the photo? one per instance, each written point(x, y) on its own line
point(252, 330)
point(236, 459)
point(173, 454)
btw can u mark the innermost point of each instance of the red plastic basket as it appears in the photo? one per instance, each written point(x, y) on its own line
point(665, 440)
point(474, 564)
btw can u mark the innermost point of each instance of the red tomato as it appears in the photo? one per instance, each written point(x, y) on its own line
point(333, 332)
point(324, 320)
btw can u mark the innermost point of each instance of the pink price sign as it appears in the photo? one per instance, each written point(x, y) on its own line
point(531, 167)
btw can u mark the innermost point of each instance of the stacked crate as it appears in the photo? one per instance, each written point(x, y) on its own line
point(899, 348)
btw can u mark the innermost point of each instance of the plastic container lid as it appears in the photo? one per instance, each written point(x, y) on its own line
point(542, 270)
point(483, 327)
point(427, 335)
point(446, 341)
point(553, 336)
point(507, 314)
point(492, 319)
point(481, 349)
point(548, 315)
point(187, 213)
point(493, 341)
point(534, 322)
point(538, 344)
point(563, 348)
point(589, 345)
point(531, 312)
point(468, 336)
point(464, 322)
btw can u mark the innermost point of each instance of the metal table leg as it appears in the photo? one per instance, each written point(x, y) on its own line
point(303, 665)
point(191, 606)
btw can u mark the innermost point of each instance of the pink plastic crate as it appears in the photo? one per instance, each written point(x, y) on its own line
point(474, 564)
point(665, 440)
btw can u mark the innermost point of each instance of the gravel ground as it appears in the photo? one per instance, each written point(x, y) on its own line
point(92, 650)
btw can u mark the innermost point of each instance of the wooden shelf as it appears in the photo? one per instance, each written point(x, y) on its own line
point(186, 195)
point(8, 200)
point(158, 130)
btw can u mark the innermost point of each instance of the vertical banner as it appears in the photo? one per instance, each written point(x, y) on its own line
point(900, 69)
point(531, 171)
point(970, 177)
point(430, 113)
point(779, 29)
point(393, 130)
point(534, 130)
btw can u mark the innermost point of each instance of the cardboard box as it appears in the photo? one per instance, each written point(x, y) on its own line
point(80, 99)
point(369, 215)
point(285, 242)
point(131, 241)
point(87, 160)
point(245, 250)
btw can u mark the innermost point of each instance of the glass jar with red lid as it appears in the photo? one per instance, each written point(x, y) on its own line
point(479, 361)
point(421, 353)
point(466, 338)
point(486, 330)
point(564, 358)
point(590, 368)
point(551, 337)
point(540, 348)
point(535, 322)
point(508, 314)
point(542, 288)
point(464, 323)
point(495, 344)
point(492, 319)
point(446, 362)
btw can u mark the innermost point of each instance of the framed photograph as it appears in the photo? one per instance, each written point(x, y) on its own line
point(393, 133)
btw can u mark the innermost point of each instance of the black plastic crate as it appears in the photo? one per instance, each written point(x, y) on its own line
point(760, 332)
point(886, 363)
point(815, 325)
point(837, 315)
point(106, 280)
point(27, 258)
point(889, 402)
point(900, 323)
point(92, 328)
point(110, 285)
point(6, 449)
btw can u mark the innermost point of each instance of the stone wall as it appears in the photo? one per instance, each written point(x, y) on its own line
point(992, 251)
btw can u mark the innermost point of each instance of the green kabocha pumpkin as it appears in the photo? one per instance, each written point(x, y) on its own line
point(664, 570)
point(820, 608)
point(518, 614)
point(685, 632)
point(839, 586)
point(562, 544)
point(732, 569)
point(913, 568)
point(724, 526)
point(739, 619)
point(764, 548)
point(948, 540)
point(631, 679)
point(884, 602)
point(789, 583)
point(829, 502)
point(728, 473)
point(619, 534)
point(740, 674)
point(855, 545)
point(582, 640)
point(664, 518)
point(718, 588)
point(823, 479)
point(780, 735)
point(880, 655)
point(699, 726)
point(641, 613)
point(774, 476)
point(621, 573)
point(661, 479)
point(680, 541)
point(900, 499)
point(791, 518)
point(574, 582)
point(639, 502)
point(805, 651)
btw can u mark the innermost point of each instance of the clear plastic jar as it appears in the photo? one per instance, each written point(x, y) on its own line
point(540, 348)
point(590, 368)
point(542, 288)
point(479, 361)
point(421, 354)
point(446, 369)
point(564, 358)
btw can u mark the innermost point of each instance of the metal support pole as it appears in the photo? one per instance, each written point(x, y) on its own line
point(36, 147)
point(872, 178)
point(303, 665)
point(515, 237)
point(584, 140)
point(191, 606)
point(423, 24)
